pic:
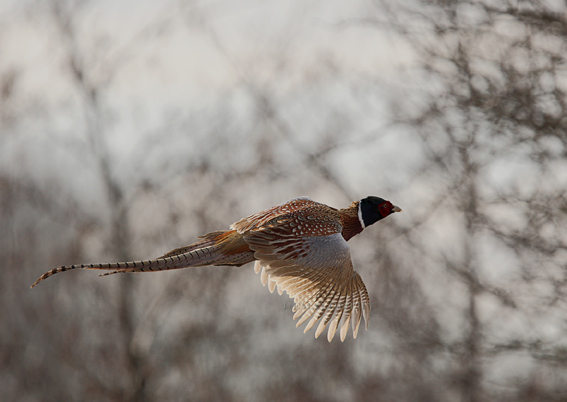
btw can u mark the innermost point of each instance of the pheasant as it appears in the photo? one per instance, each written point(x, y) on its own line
point(299, 247)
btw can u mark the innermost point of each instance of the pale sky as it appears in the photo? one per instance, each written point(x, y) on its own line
point(181, 58)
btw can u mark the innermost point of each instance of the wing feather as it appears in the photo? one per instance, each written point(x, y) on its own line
point(347, 312)
point(263, 217)
point(338, 315)
point(321, 280)
point(331, 310)
point(271, 286)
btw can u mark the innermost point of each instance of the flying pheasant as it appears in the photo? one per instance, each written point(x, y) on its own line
point(300, 247)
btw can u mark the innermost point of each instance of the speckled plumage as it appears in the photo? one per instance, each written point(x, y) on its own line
point(300, 247)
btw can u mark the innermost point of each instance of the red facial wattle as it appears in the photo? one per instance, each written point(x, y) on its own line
point(386, 209)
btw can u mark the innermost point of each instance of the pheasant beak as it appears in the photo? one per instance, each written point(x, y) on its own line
point(396, 209)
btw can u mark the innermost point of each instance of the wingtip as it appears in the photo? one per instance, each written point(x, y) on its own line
point(344, 330)
point(333, 328)
point(271, 285)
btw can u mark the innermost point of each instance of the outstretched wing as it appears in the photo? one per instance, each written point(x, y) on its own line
point(316, 272)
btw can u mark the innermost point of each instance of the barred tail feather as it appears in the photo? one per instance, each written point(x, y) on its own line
point(198, 257)
point(226, 247)
point(209, 239)
point(195, 258)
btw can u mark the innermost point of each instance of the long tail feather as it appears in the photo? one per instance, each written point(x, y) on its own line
point(209, 239)
point(199, 257)
point(216, 248)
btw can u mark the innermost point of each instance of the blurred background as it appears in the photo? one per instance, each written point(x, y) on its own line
point(128, 128)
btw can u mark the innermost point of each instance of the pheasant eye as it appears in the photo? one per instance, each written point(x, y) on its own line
point(385, 209)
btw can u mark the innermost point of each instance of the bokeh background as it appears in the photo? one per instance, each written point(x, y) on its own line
point(128, 128)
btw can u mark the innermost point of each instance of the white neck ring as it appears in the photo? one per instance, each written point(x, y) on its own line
point(360, 215)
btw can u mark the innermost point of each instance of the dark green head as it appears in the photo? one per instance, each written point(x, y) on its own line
point(372, 209)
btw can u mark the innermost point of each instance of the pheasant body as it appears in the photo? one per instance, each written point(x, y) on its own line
point(299, 247)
